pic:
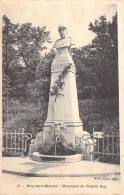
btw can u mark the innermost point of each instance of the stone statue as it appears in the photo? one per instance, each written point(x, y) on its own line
point(62, 46)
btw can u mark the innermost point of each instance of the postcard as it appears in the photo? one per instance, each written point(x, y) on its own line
point(62, 92)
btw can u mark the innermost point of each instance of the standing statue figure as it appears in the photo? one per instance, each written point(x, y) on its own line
point(64, 107)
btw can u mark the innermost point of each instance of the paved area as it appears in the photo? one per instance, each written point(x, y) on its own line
point(28, 167)
point(25, 176)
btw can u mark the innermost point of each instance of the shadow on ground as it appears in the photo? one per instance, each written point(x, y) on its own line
point(37, 166)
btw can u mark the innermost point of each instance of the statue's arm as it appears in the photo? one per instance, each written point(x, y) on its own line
point(71, 42)
point(54, 45)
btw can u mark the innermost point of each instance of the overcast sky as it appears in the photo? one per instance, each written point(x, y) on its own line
point(76, 17)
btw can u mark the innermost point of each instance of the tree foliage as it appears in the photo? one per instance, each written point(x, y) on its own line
point(22, 47)
point(97, 63)
point(26, 72)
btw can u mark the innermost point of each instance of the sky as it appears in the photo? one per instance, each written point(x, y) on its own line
point(76, 16)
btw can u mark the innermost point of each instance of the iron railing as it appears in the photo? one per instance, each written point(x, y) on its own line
point(104, 148)
point(15, 142)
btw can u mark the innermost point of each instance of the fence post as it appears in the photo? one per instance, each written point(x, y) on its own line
point(7, 109)
point(11, 138)
point(112, 146)
point(15, 141)
point(6, 141)
point(93, 144)
point(22, 142)
point(103, 146)
point(117, 145)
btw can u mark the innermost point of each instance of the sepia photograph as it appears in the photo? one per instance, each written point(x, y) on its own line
point(60, 98)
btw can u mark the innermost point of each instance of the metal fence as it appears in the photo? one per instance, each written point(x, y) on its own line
point(104, 148)
point(15, 143)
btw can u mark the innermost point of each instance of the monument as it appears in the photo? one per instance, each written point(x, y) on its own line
point(63, 101)
point(63, 121)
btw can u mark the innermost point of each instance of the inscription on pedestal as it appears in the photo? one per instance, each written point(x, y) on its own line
point(60, 67)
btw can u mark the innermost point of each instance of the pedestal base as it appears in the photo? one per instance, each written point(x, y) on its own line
point(72, 129)
point(51, 158)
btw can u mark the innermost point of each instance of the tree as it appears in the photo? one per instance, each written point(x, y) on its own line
point(9, 38)
point(97, 63)
point(106, 54)
point(40, 88)
point(86, 77)
point(22, 46)
point(9, 54)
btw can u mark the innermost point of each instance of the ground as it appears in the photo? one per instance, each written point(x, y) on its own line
point(31, 175)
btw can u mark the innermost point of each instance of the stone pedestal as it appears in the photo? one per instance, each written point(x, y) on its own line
point(73, 129)
point(64, 108)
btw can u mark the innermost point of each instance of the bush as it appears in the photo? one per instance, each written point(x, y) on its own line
point(11, 153)
point(61, 149)
point(31, 117)
point(106, 108)
point(101, 124)
point(109, 159)
point(102, 115)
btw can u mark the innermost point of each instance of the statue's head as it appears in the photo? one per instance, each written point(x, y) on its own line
point(62, 31)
